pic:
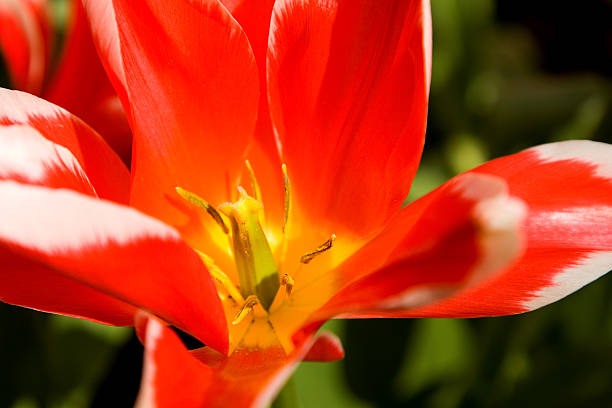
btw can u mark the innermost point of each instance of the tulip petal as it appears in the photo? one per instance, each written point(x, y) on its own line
point(462, 232)
point(326, 348)
point(348, 87)
point(254, 18)
point(28, 157)
point(206, 378)
point(106, 172)
point(193, 119)
point(33, 285)
point(568, 188)
point(81, 86)
point(114, 250)
point(24, 42)
point(171, 375)
point(105, 34)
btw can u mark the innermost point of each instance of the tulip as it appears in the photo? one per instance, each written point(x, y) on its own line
point(270, 164)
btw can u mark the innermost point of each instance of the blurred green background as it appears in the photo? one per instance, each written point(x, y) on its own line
point(507, 74)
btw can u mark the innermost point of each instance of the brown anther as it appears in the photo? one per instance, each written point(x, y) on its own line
point(248, 305)
point(200, 202)
point(306, 258)
point(288, 282)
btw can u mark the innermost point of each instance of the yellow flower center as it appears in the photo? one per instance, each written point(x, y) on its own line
point(248, 305)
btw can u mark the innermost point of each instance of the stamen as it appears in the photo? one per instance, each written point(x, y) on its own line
point(288, 282)
point(306, 258)
point(200, 202)
point(254, 184)
point(221, 277)
point(248, 305)
point(287, 194)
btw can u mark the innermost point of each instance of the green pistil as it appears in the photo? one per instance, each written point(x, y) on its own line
point(257, 270)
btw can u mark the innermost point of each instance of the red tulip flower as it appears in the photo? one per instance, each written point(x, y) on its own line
point(327, 104)
point(78, 82)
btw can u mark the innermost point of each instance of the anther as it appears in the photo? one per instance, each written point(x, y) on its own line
point(248, 305)
point(306, 258)
point(200, 202)
point(254, 184)
point(288, 282)
point(287, 194)
point(221, 277)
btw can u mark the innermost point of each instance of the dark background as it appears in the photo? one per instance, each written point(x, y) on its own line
point(507, 74)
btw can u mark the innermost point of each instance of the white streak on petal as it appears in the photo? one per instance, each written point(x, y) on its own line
point(596, 153)
point(427, 41)
point(20, 107)
point(27, 154)
point(58, 221)
point(575, 227)
point(572, 278)
point(500, 238)
point(146, 398)
point(415, 297)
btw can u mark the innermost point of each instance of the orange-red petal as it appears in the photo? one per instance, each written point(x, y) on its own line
point(465, 230)
point(29, 158)
point(81, 86)
point(175, 377)
point(254, 18)
point(192, 87)
point(25, 42)
point(110, 248)
point(348, 87)
point(105, 35)
point(326, 348)
point(107, 174)
point(568, 189)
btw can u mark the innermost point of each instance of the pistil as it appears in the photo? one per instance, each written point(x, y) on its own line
point(255, 263)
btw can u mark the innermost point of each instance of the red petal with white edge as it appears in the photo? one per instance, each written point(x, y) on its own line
point(114, 250)
point(171, 376)
point(106, 172)
point(174, 377)
point(568, 188)
point(81, 86)
point(463, 231)
point(194, 118)
point(28, 157)
point(24, 42)
point(348, 88)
